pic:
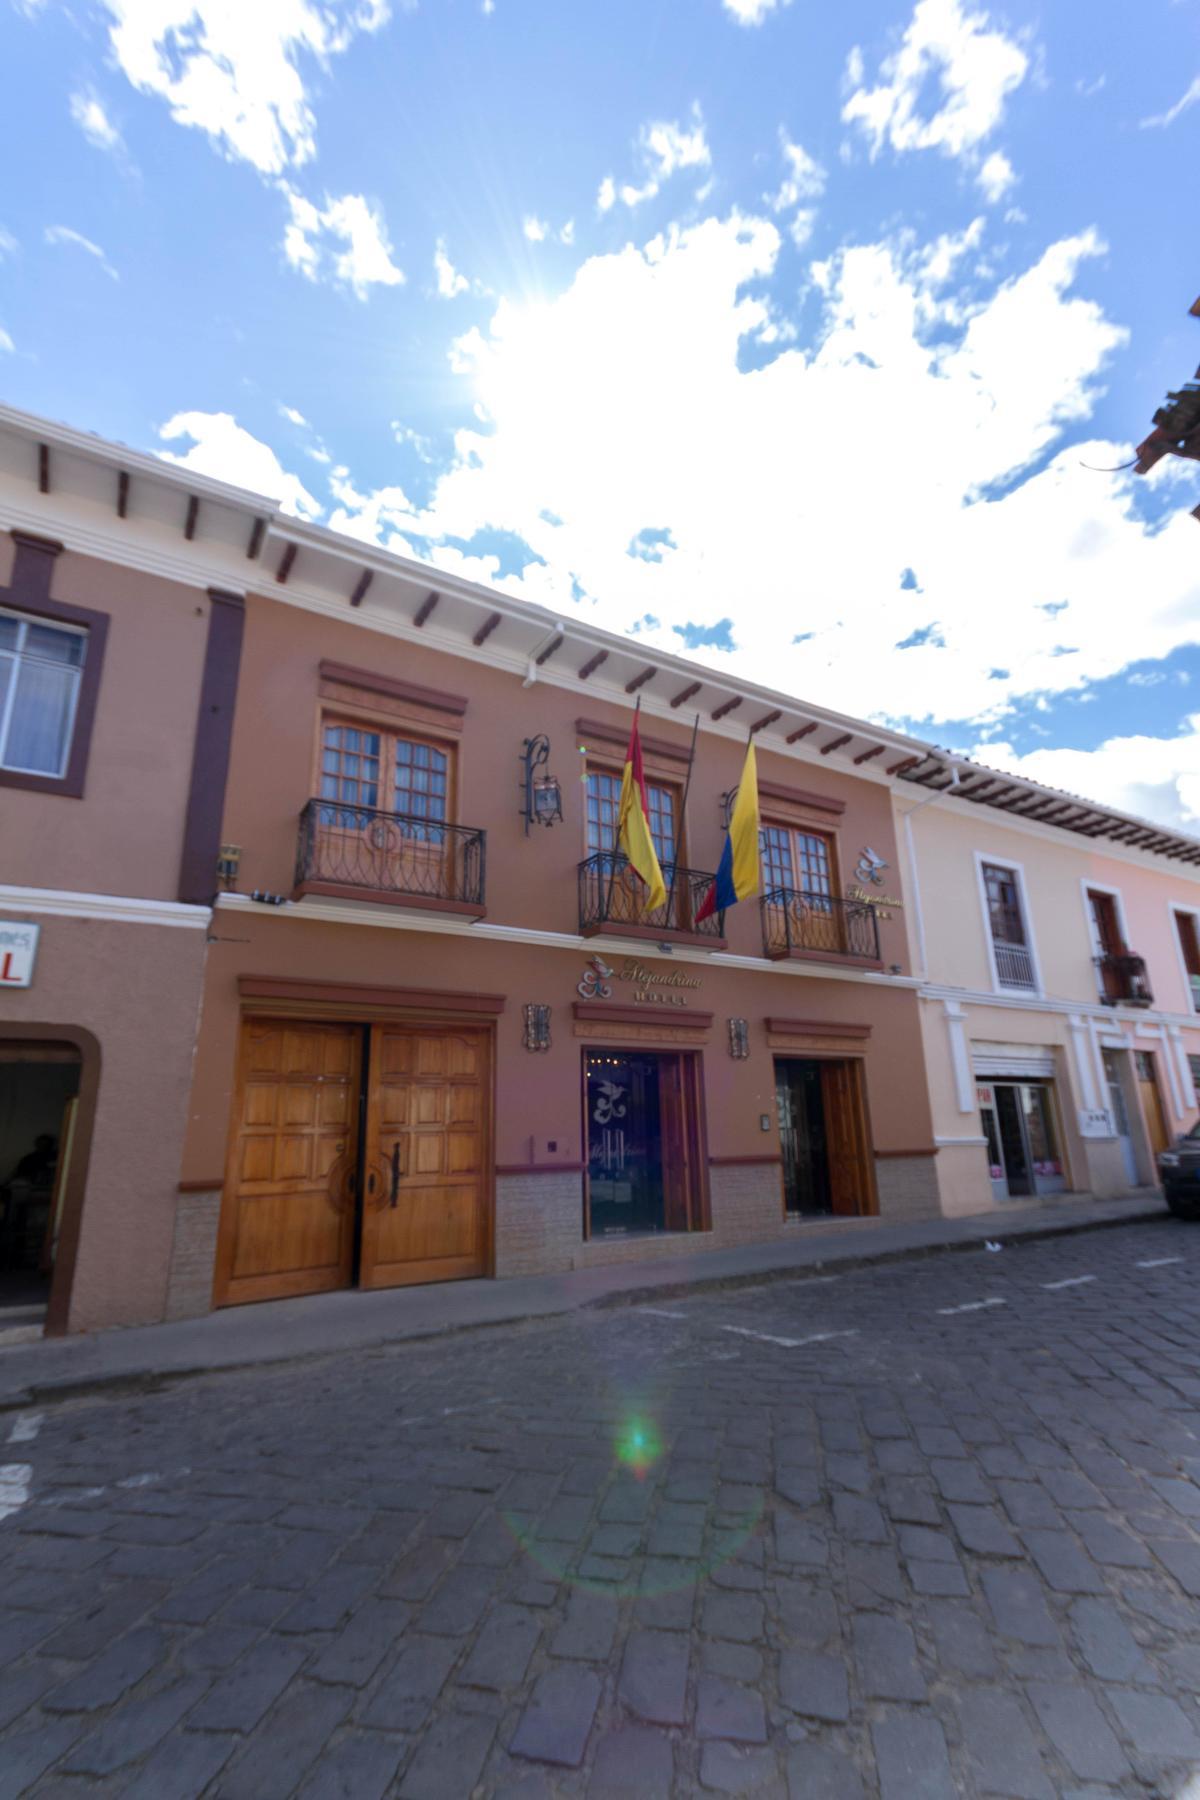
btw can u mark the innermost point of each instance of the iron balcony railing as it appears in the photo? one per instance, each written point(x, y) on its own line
point(1123, 979)
point(610, 893)
point(390, 853)
point(1014, 965)
point(796, 920)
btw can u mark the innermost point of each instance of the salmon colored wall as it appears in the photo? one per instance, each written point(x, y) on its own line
point(539, 1094)
point(1054, 868)
point(125, 835)
point(530, 881)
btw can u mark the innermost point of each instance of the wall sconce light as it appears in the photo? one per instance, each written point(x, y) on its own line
point(542, 796)
point(537, 1026)
point(228, 858)
point(739, 1039)
point(726, 804)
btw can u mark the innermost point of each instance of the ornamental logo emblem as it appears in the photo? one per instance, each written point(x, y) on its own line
point(596, 983)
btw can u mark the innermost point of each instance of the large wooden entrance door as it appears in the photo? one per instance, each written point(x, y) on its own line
point(851, 1181)
point(427, 1148)
point(287, 1227)
point(1152, 1106)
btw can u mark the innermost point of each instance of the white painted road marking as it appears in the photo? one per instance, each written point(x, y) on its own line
point(971, 1306)
point(823, 1337)
point(26, 1428)
point(14, 1487)
point(660, 1312)
point(764, 1337)
point(1071, 1281)
point(1159, 1262)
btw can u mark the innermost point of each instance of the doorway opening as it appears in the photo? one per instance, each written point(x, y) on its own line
point(644, 1143)
point(1020, 1124)
point(360, 1157)
point(824, 1137)
point(39, 1104)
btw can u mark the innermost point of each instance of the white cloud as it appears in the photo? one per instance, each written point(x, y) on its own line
point(449, 282)
point(1157, 778)
point(8, 244)
point(975, 70)
point(233, 70)
point(291, 415)
point(535, 229)
point(88, 112)
point(312, 232)
point(606, 198)
point(567, 234)
point(63, 234)
point(996, 176)
point(6, 343)
point(752, 12)
point(222, 449)
point(1181, 106)
point(804, 179)
point(664, 147)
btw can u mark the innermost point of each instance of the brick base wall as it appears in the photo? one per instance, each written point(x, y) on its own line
point(908, 1187)
point(539, 1222)
point(193, 1253)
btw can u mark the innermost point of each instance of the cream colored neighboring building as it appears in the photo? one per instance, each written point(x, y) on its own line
point(1060, 985)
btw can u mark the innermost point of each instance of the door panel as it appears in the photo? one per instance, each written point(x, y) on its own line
point(1152, 1106)
point(287, 1224)
point(424, 1213)
point(850, 1186)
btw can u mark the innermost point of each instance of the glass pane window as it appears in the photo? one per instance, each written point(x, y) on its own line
point(1004, 905)
point(796, 859)
point(661, 801)
point(422, 780)
point(350, 763)
point(603, 810)
point(40, 671)
point(776, 848)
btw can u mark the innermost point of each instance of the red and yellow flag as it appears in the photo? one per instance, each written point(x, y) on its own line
point(634, 836)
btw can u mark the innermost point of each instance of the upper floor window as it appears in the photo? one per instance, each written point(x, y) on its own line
point(801, 861)
point(1006, 918)
point(1189, 945)
point(604, 811)
point(366, 770)
point(1107, 943)
point(41, 667)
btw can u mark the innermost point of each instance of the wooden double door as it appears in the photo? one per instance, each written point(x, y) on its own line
point(824, 1137)
point(361, 1156)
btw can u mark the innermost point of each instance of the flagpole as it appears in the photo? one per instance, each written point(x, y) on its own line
point(616, 849)
point(687, 784)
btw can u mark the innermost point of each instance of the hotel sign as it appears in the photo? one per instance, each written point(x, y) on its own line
point(18, 953)
point(649, 987)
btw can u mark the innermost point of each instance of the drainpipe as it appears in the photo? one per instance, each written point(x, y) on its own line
point(914, 873)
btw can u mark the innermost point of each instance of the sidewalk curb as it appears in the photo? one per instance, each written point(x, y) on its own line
point(151, 1381)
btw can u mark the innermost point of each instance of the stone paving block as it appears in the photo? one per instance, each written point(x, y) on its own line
point(801, 1486)
point(202, 1596)
point(1077, 1729)
point(1001, 1747)
point(910, 1499)
point(807, 1614)
point(458, 1602)
point(357, 1651)
point(218, 1645)
point(859, 1520)
point(328, 1601)
point(885, 1653)
point(911, 1759)
point(630, 1763)
point(980, 1529)
point(133, 1730)
point(927, 1546)
point(1159, 1729)
point(252, 1685)
point(182, 1766)
point(737, 1769)
point(874, 1576)
point(587, 1632)
point(1070, 1489)
point(1027, 1504)
point(1183, 1561)
point(1063, 1565)
point(555, 1724)
point(1106, 1643)
point(813, 1685)
point(406, 1695)
point(450, 1757)
point(419, 1570)
point(816, 1772)
point(938, 1578)
point(735, 1662)
point(502, 1651)
point(29, 1753)
point(286, 1744)
point(1108, 1544)
point(738, 1617)
point(566, 1520)
point(1019, 1607)
point(735, 1574)
point(654, 1673)
point(800, 1545)
point(964, 1647)
point(113, 1673)
point(934, 1440)
point(725, 1710)
point(962, 1481)
point(900, 1457)
point(357, 1767)
point(21, 1688)
point(260, 1606)
point(1184, 1496)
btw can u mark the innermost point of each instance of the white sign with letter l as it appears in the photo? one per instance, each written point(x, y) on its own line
point(18, 953)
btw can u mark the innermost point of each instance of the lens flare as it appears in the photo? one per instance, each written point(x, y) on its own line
point(638, 1446)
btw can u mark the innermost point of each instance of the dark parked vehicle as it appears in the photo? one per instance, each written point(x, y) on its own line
point(1179, 1172)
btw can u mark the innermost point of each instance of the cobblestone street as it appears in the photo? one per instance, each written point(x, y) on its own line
point(916, 1531)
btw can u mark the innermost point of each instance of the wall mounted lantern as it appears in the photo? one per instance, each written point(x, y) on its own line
point(537, 1026)
point(739, 1039)
point(542, 796)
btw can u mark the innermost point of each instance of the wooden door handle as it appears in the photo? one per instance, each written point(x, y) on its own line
point(396, 1173)
point(371, 1182)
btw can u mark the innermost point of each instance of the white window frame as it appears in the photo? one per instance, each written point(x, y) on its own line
point(1193, 912)
point(1087, 887)
point(1008, 863)
point(25, 620)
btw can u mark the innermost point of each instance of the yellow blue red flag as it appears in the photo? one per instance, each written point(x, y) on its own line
point(737, 871)
point(634, 836)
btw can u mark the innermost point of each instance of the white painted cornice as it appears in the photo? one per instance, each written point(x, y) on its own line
point(1113, 1016)
point(126, 909)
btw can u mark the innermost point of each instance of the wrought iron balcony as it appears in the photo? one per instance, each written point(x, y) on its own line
point(1014, 966)
point(613, 898)
point(391, 856)
point(796, 922)
point(1123, 979)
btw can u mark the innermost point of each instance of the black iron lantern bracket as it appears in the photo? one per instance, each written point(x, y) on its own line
point(541, 801)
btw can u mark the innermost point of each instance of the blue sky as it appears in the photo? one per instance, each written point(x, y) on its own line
point(776, 332)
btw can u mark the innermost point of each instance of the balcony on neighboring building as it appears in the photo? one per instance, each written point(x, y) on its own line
point(1014, 967)
point(818, 927)
point(1123, 979)
point(396, 859)
point(612, 902)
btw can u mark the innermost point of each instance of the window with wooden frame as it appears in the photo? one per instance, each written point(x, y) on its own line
point(367, 770)
point(799, 859)
point(1189, 945)
point(604, 810)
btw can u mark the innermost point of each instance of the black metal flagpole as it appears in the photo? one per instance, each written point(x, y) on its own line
point(687, 783)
